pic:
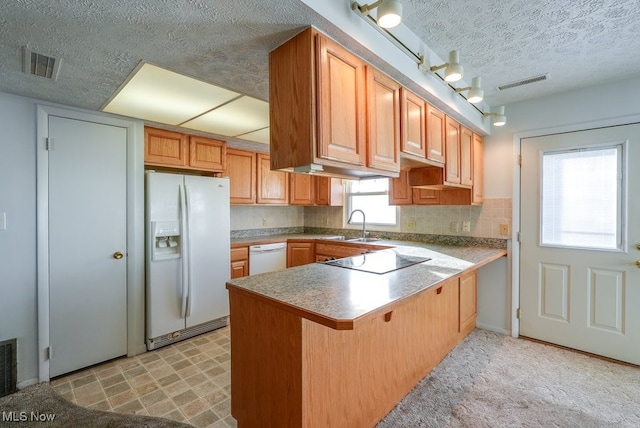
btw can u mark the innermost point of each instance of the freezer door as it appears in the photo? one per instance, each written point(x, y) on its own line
point(209, 248)
point(164, 290)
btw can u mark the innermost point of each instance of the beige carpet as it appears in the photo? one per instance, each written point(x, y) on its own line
point(492, 380)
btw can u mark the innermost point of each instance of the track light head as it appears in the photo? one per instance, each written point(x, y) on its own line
point(389, 12)
point(476, 94)
point(499, 119)
point(453, 70)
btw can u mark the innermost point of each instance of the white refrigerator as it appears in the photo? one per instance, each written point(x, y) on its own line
point(187, 256)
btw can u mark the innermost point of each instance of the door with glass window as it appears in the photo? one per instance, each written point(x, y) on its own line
point(580, 241)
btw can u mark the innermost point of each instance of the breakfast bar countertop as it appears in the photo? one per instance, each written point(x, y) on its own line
point(339, 297)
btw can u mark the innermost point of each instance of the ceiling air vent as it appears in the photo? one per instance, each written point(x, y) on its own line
point(40, 65)
point(524, 82)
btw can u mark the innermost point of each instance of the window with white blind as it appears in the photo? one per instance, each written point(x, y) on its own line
point(372, 197)
point(582, 198)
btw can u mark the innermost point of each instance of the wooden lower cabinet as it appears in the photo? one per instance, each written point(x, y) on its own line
point(300, 253)
point(239, 262)
point(328, 377)
point(468, 303)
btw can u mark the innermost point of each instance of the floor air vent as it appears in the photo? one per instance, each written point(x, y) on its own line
point(8, 366)
point(524, 82)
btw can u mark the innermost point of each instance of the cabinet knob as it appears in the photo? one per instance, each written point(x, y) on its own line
point(387, 316)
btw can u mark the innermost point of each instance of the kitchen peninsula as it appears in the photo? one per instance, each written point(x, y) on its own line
point(322, 345)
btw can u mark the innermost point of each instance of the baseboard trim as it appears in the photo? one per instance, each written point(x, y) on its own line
point(493, 328)
point(26, 383)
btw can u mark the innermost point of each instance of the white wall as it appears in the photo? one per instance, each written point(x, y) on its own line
point(18, 304)
point(608, 104)
point(18, 243)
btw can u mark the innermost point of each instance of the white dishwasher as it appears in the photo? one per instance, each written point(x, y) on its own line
point(267, 258)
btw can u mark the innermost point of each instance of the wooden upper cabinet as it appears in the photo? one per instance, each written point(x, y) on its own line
point(241, 170)
point(165, 148)
point(426, 197)
point(466, 156)
point(383, 108)
point(175, 149)
point(452, 151)
point(399, 191)
point(329, 191)
point(435, 135)
point(273, 186)
point(341, 103)
point(413, 124)
point(478, 170)
point(301, 189)
point(207, 153)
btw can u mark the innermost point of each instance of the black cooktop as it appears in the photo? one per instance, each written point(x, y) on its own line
point(377, 262)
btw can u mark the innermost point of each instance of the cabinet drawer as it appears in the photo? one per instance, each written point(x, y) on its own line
point(239, 254)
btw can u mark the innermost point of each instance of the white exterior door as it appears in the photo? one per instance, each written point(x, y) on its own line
point(580, 241)
point(87, 234)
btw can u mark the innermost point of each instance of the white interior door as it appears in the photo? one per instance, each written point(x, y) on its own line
point(580, 240)
point(87, 230)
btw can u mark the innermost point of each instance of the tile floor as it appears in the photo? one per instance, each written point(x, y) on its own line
point(188, 381)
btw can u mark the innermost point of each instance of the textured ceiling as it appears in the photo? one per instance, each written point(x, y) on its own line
point(578, 42)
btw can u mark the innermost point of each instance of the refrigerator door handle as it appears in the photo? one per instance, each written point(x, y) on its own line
point(188, 286)
point(185, 250)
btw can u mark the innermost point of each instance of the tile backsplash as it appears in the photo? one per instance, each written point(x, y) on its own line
point(265, 217)
point(484, 221)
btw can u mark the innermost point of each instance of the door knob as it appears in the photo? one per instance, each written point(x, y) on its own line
point(638, 246)
point(118, 255)
point(638, 263)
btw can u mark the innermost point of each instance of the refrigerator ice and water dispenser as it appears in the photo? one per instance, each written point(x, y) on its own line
point(166, 235)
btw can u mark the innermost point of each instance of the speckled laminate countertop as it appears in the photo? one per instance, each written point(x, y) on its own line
point(339, 297)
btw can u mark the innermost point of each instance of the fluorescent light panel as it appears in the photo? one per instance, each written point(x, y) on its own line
point(260, 136)
point(241, 116)
point(158, 95)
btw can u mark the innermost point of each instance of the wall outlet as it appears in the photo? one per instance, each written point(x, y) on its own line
point(504, 229)
point(453, 226)
point(264, 221)
point(411, 225)
point(466, 226)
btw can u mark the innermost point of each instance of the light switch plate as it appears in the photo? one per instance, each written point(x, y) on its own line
point(3, 221)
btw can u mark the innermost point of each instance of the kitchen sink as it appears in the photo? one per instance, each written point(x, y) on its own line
point(362, 239)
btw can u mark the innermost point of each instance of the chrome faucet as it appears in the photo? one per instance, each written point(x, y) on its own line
point(364, 233)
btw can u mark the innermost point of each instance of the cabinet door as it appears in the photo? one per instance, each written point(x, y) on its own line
point(341, 111)
point(435, 134)
point(478, 170)
point(383, 109)
point(300, 253)
point(301, 190)
point(273, 186)
point(426, 197)
point(399, 191)
point(468, 303)
point(452, 151)
point(413, 124)
point(329, 191)
point(241, 170)
point(163, 147)
point(466, 156)
point(239, 262)
point(207, 153)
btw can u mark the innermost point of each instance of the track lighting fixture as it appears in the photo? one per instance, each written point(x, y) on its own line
point(389, 12)
point(499, 119)
point(453, 70)
point(475, 94)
